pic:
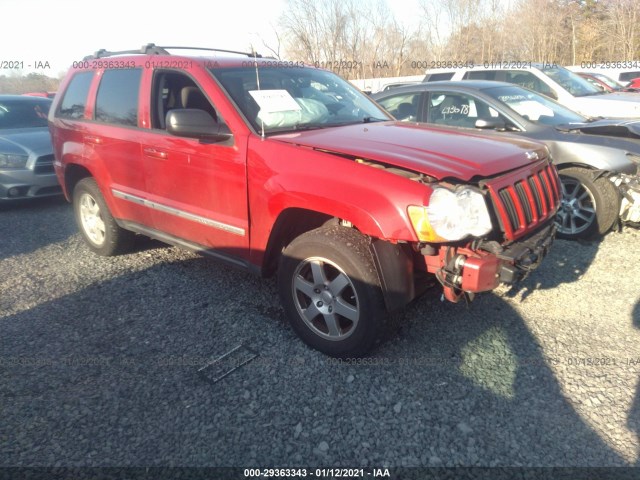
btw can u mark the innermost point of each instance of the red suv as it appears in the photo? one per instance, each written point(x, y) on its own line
point(279, 167)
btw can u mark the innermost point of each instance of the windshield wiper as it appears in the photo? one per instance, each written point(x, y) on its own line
point(363, 120)
point(299, 127)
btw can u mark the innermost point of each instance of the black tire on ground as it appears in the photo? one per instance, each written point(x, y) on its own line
point(331, 293)
point(589, 208)
point(95, 222)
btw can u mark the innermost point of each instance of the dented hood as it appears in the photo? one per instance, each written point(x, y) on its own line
point(435, 151)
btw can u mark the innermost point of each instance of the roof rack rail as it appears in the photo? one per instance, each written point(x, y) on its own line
point(153, 49)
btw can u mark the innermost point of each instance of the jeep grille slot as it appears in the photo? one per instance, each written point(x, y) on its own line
point(527, 202)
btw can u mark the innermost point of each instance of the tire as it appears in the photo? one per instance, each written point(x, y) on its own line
point(98, 227)
point(331, 292)
point(589, 208)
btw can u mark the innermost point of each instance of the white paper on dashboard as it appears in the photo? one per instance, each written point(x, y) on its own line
point(271, 101)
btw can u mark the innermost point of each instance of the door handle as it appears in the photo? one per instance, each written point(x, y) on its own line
point(152, 152)
point(93, 139)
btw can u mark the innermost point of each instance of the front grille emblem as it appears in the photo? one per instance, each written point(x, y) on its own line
point(532, 155)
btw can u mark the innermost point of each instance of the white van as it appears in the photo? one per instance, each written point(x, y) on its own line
point(556, 82)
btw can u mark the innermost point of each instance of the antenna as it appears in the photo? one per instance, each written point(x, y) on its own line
point(255, 63)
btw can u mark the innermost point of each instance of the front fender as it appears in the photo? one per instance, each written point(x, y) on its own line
point(373, 199)
point(600, 157)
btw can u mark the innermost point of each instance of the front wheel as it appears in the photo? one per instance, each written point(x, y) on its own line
point(589, 208)
point(98, 227)
point(331, 293)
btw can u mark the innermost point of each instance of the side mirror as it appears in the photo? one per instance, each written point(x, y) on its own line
point(195, 123)
point(490, 124)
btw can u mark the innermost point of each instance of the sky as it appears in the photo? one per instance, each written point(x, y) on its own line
point(64, 31)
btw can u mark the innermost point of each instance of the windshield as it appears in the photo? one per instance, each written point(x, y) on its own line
point(571, 82)
point(296, 98)
point(609, 81)
point(23, 113)
point(534, 107)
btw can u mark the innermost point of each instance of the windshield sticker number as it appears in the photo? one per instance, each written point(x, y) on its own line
point(464, 109)
point(271, 101)
point(511, 98)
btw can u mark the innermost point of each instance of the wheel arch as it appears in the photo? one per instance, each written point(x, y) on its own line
point(73, 173)
point(290, 224)
point(393, 263)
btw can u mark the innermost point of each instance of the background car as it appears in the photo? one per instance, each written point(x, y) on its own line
point(634, 83)
point(598, 160)
point(26, 153)
point(604, 83)
point(564, 86)
point(621, 75)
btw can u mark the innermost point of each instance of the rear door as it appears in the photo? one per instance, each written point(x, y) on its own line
point(112, 143)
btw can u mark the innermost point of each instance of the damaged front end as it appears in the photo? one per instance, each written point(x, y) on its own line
point(629, 188)
point(524, 204)
point(482, 266)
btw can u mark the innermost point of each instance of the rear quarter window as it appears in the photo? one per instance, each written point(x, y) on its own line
point(117, 98)
point(480, 75)
point(436, 77)
point(628, 76)
point(75, 97)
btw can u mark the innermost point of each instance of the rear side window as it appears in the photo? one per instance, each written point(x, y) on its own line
point(480, 75)
point(117, 99)
point(436, 77)
point(75, 97)
point(628, 76)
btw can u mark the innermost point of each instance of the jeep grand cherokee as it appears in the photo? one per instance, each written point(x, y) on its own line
point(278, 167)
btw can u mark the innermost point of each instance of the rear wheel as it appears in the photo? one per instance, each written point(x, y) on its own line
point(331, 293)
point(589, 208)
point(98, 227)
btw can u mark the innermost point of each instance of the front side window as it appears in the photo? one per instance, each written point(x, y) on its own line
point(117, 99)
point(75, 98)
point(403, 106)
point(458, 109)
point(172, 90)
point(276, 100)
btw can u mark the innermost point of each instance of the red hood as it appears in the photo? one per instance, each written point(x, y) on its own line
point(436, 151)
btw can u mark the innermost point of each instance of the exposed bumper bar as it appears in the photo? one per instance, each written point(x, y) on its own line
point(483, 268)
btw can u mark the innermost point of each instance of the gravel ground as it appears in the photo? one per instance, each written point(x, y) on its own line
point(99, 362)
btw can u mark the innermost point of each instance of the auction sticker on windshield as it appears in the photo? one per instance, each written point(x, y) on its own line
point(271, 101)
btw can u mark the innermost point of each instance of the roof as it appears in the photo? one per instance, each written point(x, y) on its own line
point(212, 57)
point(506, 65)
point(463, 84)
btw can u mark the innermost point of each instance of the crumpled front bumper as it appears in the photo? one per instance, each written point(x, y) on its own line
point(465, 270)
